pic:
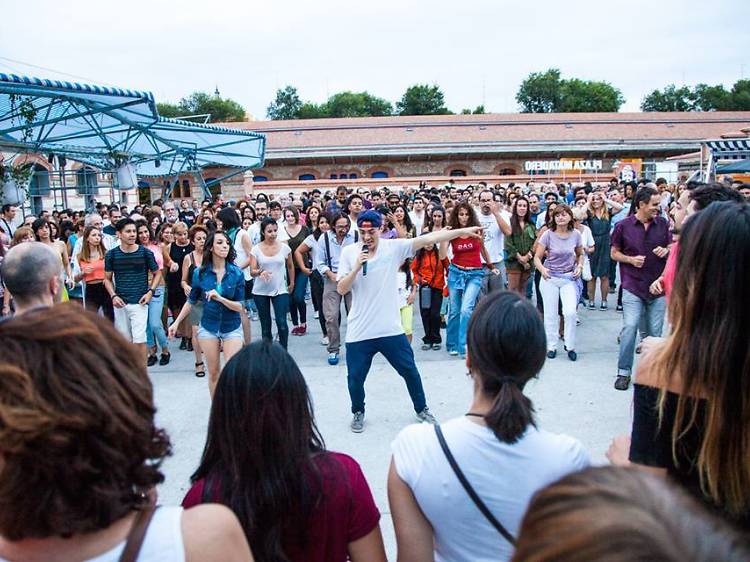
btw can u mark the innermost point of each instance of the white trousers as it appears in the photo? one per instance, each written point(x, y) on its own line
point(131, 322)
point(564, 290)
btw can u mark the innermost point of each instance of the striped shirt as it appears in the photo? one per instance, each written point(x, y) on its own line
point(130, 271)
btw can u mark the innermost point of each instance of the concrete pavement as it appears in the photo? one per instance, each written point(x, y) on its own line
point(573, 398)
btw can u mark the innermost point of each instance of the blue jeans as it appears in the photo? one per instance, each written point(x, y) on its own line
point(280, 310)
point(634, 310)
point(154, 326)
point(398, 352)
point(463, 291)
point(298, 305)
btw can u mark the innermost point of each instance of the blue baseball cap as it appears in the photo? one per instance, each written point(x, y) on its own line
point(374, 219)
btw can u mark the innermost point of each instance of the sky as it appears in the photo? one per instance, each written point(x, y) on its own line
point(477, 51)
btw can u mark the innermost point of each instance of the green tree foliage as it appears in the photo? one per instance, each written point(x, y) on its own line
point(311, 111)
point(287, 104)
point(351, 104)
point(478, 111)
point(671, 98)
point(198, 103)
point(167, 109)
point(540, 92)
point(701, 98)
point(577, 96)
point(547, 92)
point(422, 99)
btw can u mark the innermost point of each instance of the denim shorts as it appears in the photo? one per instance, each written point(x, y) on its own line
point(235, 334)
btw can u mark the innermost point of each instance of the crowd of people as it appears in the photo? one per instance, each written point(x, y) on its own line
point(81, 452)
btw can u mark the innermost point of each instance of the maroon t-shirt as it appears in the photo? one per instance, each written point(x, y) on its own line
point(348, 511)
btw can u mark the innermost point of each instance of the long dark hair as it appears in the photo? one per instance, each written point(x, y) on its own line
point(500, 321)
point(265, 223)
point(515, 223)
point(208, 251)
point(463, 205)
point(261, 457)
point(317, 232)
point(708, 350)
point(229, 218)
point(37, 225)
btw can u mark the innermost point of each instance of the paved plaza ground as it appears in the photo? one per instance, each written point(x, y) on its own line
point(573, 398)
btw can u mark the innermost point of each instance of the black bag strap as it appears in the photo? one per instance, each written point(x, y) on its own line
point(469, 490)
point(328, 251)
point(137, 534)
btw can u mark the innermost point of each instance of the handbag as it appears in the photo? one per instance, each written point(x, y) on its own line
point(425, 291)
point(469, 490)
point(586, 272)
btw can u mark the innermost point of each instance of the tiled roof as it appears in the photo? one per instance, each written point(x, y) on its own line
point(515, 132)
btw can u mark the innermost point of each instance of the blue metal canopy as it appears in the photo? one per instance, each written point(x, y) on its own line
point(106, 127)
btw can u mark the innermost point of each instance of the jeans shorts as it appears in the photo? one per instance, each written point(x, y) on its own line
point(235, 334)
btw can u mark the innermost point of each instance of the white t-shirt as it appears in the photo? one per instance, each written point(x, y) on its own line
point(494, 239)
point(504, 476)
point(375, 311)
point(417, 220)
point(403, 290)
point(241, 254)
point(254, 232)
point(311, 243)
point(276, 265)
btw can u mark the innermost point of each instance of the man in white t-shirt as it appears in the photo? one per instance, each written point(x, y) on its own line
point(368, 270)
point(417, 215)
point(496, 226)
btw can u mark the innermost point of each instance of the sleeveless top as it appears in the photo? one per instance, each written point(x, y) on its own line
point(177, 254)
point(241, 258)
point(162, 543)
point(295, 241)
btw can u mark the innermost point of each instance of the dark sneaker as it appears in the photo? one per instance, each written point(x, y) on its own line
point(622, 382)
point(618, 308)
point(603, 306)
point(436, 347)
point(183, 344)
point(572, 355)
point(551, 354)
point(425, 416)
point(426, 346)
point(358, 422)
point(151, 360)
point(592, 305)
point(190, 344)
point(164, 360)
point(333, 359)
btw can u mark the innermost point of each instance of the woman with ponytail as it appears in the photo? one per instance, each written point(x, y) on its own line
point(501, 454)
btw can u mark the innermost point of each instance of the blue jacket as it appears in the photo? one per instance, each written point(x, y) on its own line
point(217, 317)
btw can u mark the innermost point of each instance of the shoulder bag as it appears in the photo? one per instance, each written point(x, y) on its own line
point(469, 490)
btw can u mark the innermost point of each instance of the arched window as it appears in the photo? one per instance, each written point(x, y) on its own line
point(86, 181)
point(214, 189)
point(306, 177)
point(39, 182)
point(506, 172)
point(185, 189)
point(379, 175)
point(457, 172)
point(144, 191)
point(334, 176)
point(260, 178)
point(352, 176)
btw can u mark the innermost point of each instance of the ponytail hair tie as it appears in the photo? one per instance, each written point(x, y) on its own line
point(508, 380)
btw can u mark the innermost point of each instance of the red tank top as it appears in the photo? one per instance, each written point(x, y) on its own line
point(467, 252)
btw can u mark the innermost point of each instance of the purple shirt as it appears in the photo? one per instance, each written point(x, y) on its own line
point(561, 252)
point(632, 238)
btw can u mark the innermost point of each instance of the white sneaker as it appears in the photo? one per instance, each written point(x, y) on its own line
point(324, 341)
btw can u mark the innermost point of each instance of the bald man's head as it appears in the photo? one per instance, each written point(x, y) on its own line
point(30, 272)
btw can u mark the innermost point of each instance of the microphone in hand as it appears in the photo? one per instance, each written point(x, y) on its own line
point(366, 250)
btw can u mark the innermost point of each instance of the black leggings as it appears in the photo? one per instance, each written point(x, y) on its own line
point(97, 297)
point(431, 316)
point(316, 292)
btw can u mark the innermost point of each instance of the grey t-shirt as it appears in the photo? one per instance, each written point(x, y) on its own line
point(561, 252)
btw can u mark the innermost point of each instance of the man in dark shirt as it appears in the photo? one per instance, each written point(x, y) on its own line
point(640, 243)
point(126, 269)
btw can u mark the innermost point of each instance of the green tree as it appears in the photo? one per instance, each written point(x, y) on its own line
point(167, 109)
point(478, 111)
point(351, 104)
point(312, 111)
point(221, 109)
point(422, 99)
point(671, 98)
point(711, 98)
point(540, 92)
point(286, 105)
point(577, 96)
point(741, 95)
